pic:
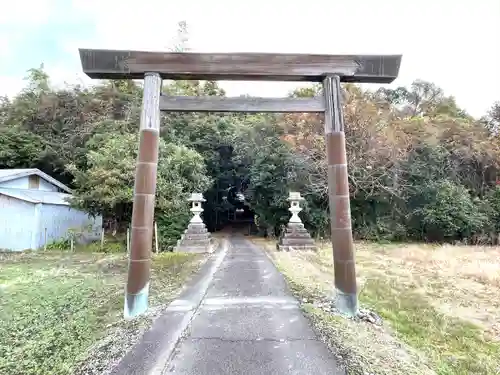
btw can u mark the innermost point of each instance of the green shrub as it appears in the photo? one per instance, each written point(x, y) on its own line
point(171, 225)
point(109, 247)
point(445, 210)
point(64, 244)
point(491, 208)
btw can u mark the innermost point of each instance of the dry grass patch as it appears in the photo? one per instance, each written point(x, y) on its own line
point(459, 281)
point(441, 304)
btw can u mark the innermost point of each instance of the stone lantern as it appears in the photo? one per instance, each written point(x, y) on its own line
point(196, 238)
point(295, 236)
point(196, 199)
point(295, 199)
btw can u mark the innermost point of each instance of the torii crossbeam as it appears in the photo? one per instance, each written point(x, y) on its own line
point(155, 66)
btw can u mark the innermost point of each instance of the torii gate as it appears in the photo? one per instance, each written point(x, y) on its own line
point(155, 66)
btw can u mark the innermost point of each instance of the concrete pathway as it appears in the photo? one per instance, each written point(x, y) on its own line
point(239, 318)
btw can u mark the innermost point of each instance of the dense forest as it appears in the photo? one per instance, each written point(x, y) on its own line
point(420, 167)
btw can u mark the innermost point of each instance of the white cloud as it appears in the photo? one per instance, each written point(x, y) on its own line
point(25, 13)
point(60, 75)
point(10, 86)
point(5, 47)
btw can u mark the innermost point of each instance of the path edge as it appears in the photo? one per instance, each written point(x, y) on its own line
point(151, 354)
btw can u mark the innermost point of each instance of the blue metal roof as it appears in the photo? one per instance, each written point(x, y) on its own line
point(37, 196)
point(12, 174)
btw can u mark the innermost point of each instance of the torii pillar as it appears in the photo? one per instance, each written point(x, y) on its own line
point(141, 237)
point(346, 299)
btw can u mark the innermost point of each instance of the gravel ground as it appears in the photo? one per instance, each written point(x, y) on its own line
point(122, 335)
point(119, 339)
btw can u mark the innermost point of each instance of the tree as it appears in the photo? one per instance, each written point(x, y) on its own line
point(492, 119)
point(421, 99)
point(106, 185)
point(403, 146)
point(445, 210)
point(180, 43)
point(23, 149)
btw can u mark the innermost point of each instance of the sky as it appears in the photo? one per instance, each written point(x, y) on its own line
point(442, 41)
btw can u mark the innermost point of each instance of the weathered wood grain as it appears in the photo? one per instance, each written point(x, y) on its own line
point(240, 104)
point(346, 299)
point(334, 117)
point(114, 64)
point(141, 235)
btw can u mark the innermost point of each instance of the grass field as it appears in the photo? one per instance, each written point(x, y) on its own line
point(61, 312)
point(440, 305)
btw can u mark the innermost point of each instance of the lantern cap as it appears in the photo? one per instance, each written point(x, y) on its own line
point(295, 196)
point(196, 197)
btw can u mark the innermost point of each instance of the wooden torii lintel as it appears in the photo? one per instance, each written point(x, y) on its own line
point(331, 70)
point(115, 64)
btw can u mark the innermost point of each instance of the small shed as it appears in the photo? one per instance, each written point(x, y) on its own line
point(34, 211)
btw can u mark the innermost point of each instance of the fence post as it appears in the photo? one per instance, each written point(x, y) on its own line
point(156, 237)
point(128, 242)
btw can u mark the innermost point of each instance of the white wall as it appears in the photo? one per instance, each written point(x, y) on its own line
point(18, 183)
point(17, 227)
point(25, 225)
point(58, 219)
point(47, 186)
point(23, 183)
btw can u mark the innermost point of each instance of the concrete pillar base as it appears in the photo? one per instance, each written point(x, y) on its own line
point(346, 303)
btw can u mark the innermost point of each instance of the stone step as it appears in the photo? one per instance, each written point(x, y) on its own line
point(297, 241)
point(295, 225)
point(192, 249)
point(295, 229)
point(196, 229)
point(189, 242)
point(297, 234)
point(297, 247)
point(299, 229)
point(196, 236)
